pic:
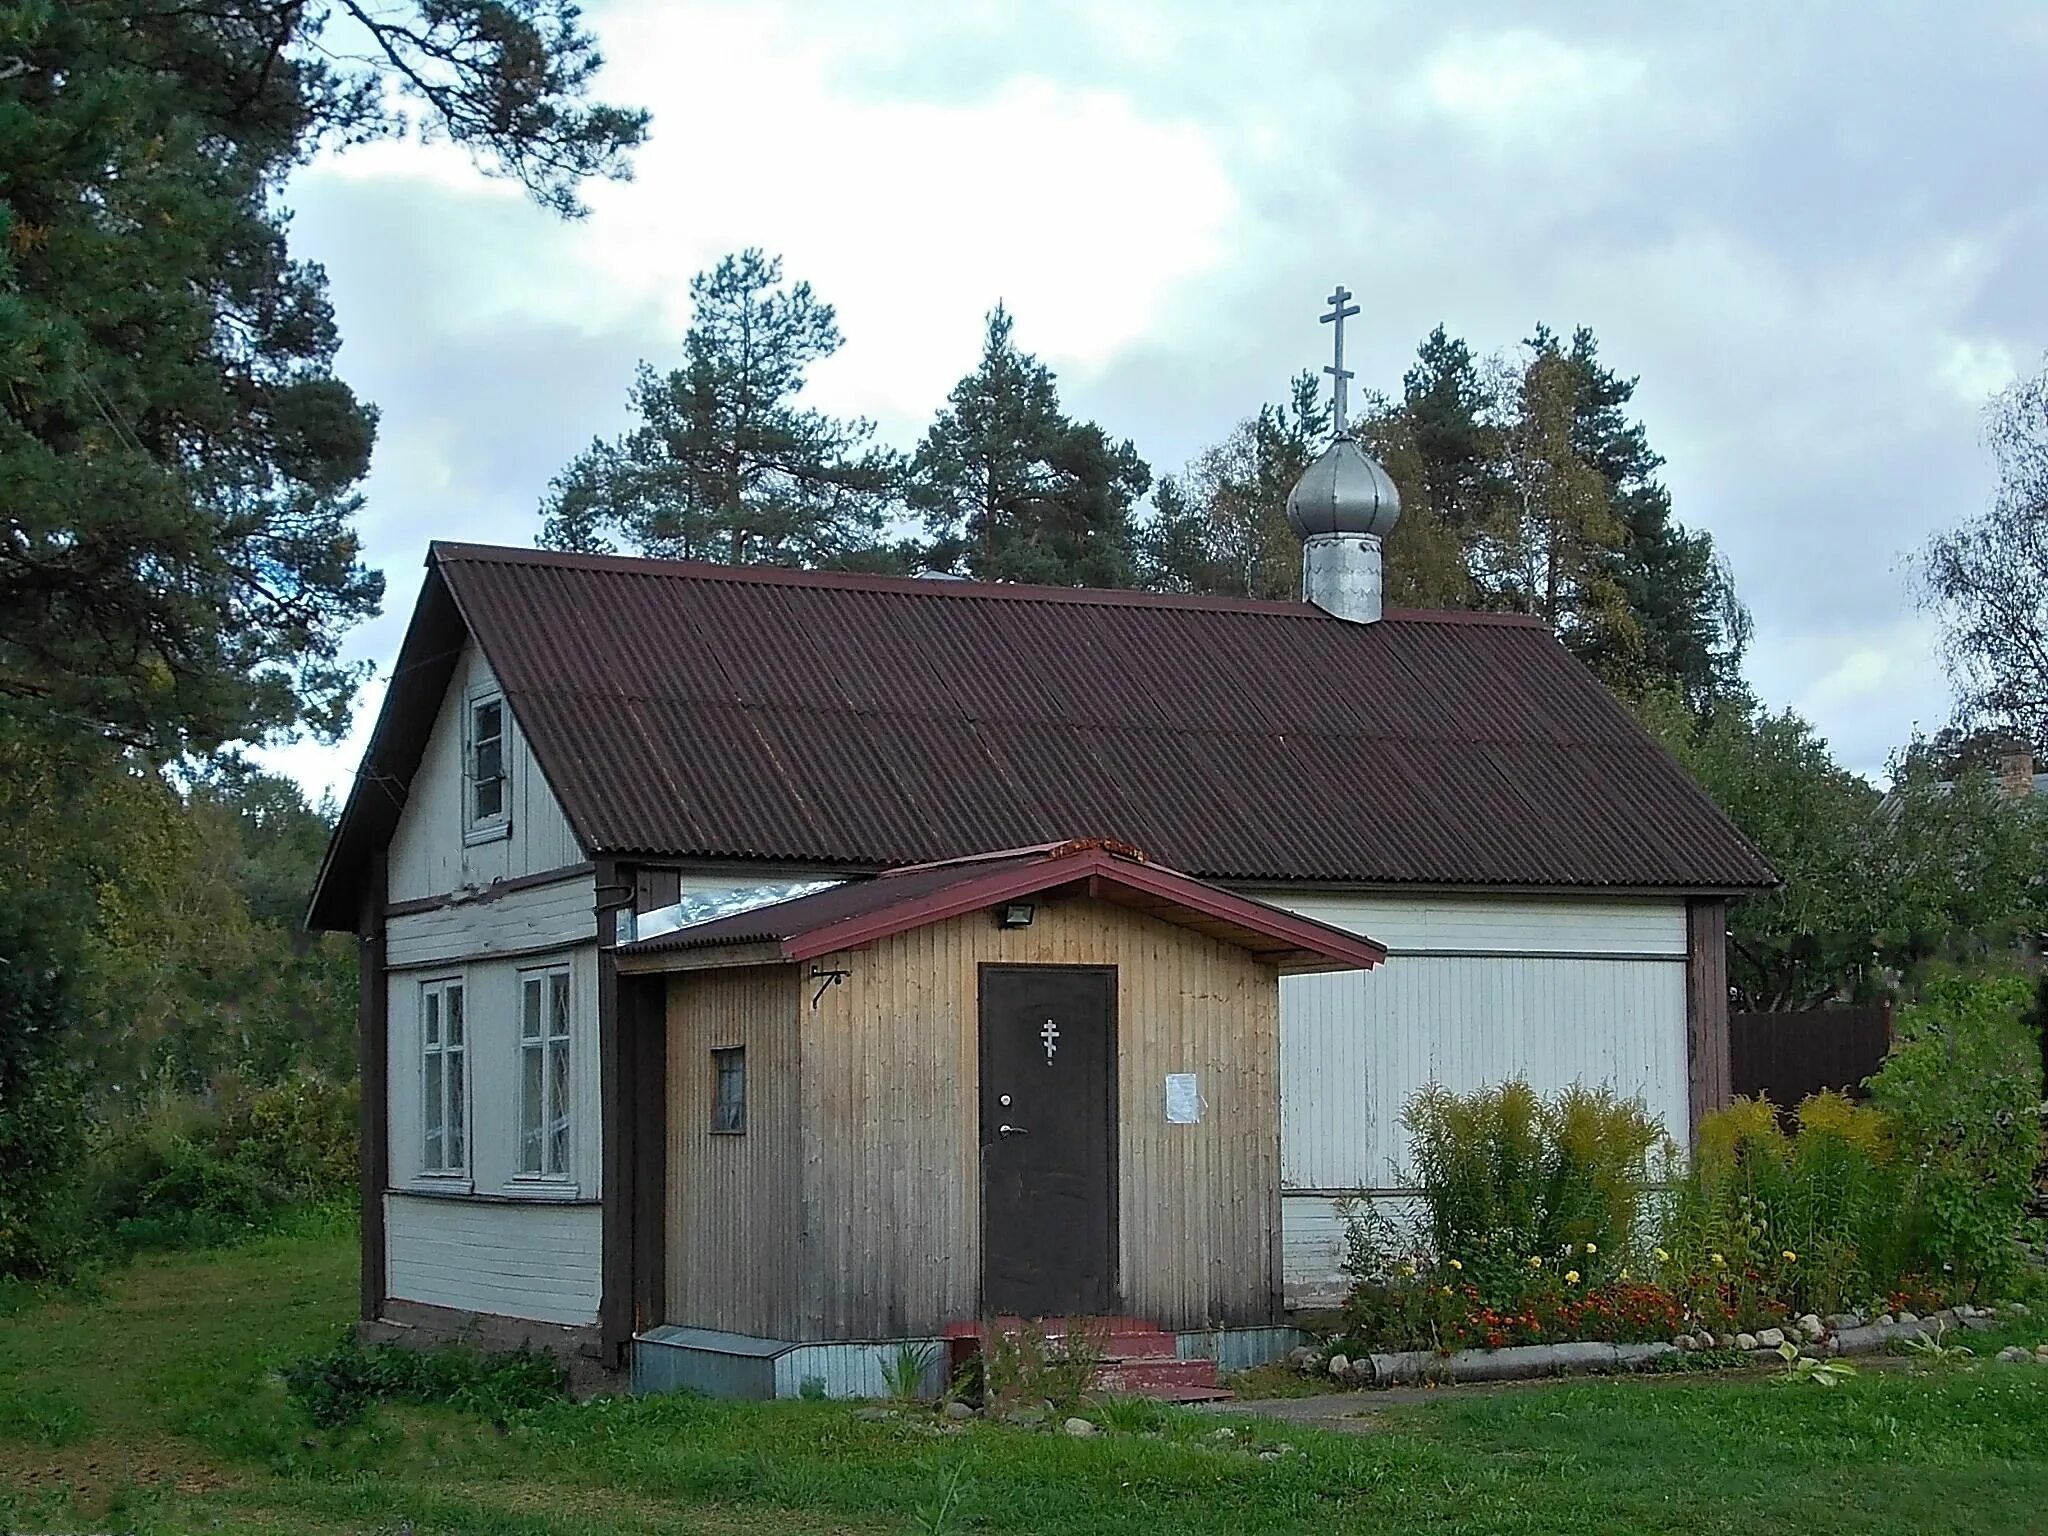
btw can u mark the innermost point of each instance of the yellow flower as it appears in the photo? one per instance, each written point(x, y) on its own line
point(1571, 1277)
point(1535, 1263)
point(1456, 1265)
point(1591, 1249)
point(1716, 1260)
point(1407, 1269)
point(1624, 1274)
point(1663, 1257)
point(1789, 1256)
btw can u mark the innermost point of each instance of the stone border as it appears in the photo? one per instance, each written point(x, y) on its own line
point(1529, 1362)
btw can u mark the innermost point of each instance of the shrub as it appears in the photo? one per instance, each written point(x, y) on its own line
point(1506, 1176)
point(1962, 1089)
point(338, 1387)
point(42, 1121)
point(183, 1171)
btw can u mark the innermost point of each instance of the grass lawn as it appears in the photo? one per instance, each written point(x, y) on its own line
point(154, 1408)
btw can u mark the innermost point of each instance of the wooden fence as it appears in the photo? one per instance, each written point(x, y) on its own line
point(1786, 1056)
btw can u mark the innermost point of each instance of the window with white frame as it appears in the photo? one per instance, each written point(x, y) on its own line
point(485, 789)
point(444, 1080)
point(545, 1120)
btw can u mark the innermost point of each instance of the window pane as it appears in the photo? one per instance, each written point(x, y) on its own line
point(530, 1009)
point(455, 1018)
point(558, 987)
point(489, 720)
point(530, 1108)
point(729, 1112)
point(431, 1003)
point(432, 1108)
point(490, 798)
point(558, 1107)
point(456, 1105)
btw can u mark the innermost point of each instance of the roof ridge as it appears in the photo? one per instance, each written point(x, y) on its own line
point(650, 568)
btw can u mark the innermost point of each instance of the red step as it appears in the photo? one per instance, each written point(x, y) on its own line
point(1138, 1358)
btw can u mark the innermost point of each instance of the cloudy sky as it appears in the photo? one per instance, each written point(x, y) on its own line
point(1818, 234)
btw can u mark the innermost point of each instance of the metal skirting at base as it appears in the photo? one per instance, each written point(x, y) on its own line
point(737, 1365)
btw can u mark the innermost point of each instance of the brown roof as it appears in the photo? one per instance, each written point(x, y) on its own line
point(862, 911)
point(861, 722)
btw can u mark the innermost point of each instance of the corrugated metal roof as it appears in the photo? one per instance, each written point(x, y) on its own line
point(862, 722)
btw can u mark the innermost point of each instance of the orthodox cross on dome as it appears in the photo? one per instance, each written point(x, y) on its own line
point(1339, 312)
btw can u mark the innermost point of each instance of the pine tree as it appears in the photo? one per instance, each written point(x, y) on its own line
point(725, 465)
point(1689, 629)
point(1447, 408)
point(1548, 547)
point(180, 562)
point(1011, 489)
point(1220, 526)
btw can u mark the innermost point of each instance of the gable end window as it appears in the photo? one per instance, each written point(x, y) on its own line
point(729, 1100)
point(545, 1118)
point(444, 1079)
point(485, 787)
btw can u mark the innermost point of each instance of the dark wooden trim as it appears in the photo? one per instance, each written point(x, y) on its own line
point(373, 1045)
point(1709, 1069)
point(616, 1101)
point(644, 1038)
point(486, 1197)
point(495, 891)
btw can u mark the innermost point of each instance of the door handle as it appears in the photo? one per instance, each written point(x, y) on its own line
point(1010, 1130)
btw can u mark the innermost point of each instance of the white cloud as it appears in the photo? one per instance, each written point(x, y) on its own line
point(1520, 84)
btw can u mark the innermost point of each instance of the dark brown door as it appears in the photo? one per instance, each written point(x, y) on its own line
point(1048, 1140)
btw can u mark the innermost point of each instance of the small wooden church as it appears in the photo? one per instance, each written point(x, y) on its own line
point(763, 967)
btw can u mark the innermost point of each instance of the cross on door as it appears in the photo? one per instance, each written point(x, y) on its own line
point(1050, 1035)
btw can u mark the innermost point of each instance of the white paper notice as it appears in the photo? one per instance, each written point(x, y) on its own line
point(1183, 1099)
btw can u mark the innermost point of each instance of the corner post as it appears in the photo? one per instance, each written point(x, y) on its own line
point(1709, 1071)
point(373, 1046)
point(618, 1132)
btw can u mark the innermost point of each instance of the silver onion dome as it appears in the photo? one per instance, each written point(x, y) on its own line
point(1344, 491)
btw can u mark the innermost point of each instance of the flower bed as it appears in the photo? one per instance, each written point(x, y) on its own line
point(1575, 1220)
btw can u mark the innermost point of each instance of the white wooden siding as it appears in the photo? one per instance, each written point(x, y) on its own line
point(428, 855)
point(491, 1009)
point(549, 916)
point(1477, 990)
point(537, 1262)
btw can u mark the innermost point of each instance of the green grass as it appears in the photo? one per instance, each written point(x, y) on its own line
point(154, 1405)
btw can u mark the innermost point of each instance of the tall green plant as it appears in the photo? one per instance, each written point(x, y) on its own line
point(1962, 1088)
point(1506, 1176)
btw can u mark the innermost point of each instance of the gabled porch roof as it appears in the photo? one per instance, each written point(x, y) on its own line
point(861, 912)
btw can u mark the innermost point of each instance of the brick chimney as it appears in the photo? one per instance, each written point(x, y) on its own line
point(2016, 775)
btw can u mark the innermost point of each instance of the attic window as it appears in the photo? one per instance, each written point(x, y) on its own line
point(484, 784)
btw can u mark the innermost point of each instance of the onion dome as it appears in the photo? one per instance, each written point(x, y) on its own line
point(1344, 491)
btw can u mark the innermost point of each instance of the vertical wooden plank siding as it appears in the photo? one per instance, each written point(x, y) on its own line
point(1709, 1073)
point(429, 855)
point(734, 1200)
point(374, 1117)
point(891, 1148)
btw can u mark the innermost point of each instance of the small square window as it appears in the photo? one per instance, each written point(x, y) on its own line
point(729, 1107)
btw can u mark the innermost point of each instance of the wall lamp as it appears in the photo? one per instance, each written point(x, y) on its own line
point(1014, 914)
